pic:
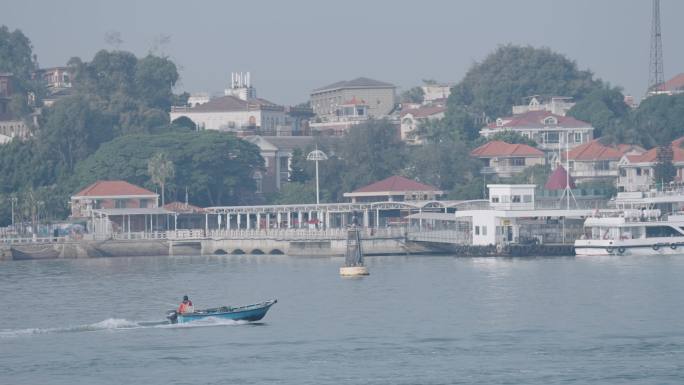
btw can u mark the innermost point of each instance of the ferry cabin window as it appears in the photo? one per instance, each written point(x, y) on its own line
point(661, 231)
point(477, 230)
point(484, 230)
point(495, 199)
point(515, 199)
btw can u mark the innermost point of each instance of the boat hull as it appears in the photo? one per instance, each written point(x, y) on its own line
point(249, 313)
point(627, 248)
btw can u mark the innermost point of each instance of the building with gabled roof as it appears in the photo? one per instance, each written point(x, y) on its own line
point(637, 171)
point(230, 113)
point(550, 131)
point(594, 160)
point(505, 159)
point(411, 118)
point(111, 194)
point(379, 96)
point(394, 188)
point(671, 87)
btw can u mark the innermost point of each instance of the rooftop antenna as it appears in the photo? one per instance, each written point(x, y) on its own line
point(656, 76)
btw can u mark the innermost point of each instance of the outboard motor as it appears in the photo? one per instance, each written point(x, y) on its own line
point(172, 316)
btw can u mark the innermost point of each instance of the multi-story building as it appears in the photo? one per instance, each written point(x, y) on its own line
point(379, 97)
point(230, 113)
point(637, 172)
point(436, 92)
point(553, 133)
point(410, 120)
point(671, 87)
point(349, 113)
point(595, 161)
point(505, 159)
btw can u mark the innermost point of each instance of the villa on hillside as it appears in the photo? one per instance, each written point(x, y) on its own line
point(505, 160)
point(551, 132)
point(637, 172)
point(671, 87)
point(412, 118)
point(594, 161)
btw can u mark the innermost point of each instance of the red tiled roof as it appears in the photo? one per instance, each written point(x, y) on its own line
point(559, 179)
point(651, 155)
point(535, 119)
point(424, 111)
point(594, 150)
point(674, 84)
point(113, 188)
point(500, 148)
point(396, 183)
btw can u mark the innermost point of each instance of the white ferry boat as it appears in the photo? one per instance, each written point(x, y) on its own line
point(645, 223)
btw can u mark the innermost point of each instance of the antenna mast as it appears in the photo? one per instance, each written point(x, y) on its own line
point(656, 76)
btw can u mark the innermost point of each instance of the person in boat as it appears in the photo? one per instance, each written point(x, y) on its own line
point(186, 306)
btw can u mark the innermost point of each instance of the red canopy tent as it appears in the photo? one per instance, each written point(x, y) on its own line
point(558, 180)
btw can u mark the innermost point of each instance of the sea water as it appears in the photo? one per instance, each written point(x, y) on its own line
point(414, 320)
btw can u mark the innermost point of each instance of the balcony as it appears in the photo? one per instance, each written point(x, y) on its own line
point(503, 170)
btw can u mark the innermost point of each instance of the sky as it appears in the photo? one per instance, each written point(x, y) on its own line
point(291, 47)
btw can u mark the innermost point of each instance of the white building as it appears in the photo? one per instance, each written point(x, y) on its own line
point(558, 105)
point(412, 118)
point(436, 92)
point(637, 172)
point(551, 132)
point(198, 98)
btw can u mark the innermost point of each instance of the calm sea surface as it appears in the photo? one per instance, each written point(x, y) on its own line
point(415, 320)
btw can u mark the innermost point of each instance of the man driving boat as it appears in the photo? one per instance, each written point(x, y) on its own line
point(186, 306)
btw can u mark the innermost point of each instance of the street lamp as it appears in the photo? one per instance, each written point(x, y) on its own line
point(14, 202)
point(317, 155)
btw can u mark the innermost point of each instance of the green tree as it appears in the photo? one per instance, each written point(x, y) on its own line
point(216, 167)
point(511, 73)
point(412, 95)
point(295, 193)
point(664, 171)
point(297, 167)
point(16, 57)
point(507, 136)
point(444, 164)
point(160, 169)
point(371, 151)
point(604, 108)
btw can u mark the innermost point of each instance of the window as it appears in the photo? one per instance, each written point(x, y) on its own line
point(527, 198)
point(661, 231)
point(143, 203)
point(495, 199)
point(552, 137)
point(120, 203)
point(484, 230)
point(578, 137)
point(623, 172)
point(515, 199)
point(550, 121)
point(517, 161)
point(602, 165)
point(638, 171)
point(477, 230)
point(647, 171)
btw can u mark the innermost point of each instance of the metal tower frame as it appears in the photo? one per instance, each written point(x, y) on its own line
point(656, 75)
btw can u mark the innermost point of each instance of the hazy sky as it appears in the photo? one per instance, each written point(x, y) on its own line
point(292, 47)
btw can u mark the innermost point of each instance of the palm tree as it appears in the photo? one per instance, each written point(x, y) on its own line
point(161, 169)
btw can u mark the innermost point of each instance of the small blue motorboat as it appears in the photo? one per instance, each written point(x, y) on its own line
point(250, 313)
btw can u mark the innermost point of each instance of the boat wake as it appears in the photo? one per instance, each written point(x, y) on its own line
point(113, 324)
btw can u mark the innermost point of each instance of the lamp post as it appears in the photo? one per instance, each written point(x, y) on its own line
point(14, 202)
point(317, 155)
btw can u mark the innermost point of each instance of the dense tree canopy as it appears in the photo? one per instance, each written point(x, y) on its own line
point(512, 73)
point(16, 56)
point(604, 108)
point(215, 167)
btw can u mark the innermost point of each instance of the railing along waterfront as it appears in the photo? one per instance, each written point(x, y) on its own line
point(23, 241)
